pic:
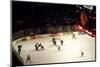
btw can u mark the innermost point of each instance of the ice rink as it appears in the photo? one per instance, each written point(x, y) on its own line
point(70, 51)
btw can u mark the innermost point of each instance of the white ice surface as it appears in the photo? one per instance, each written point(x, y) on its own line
point(70, 51)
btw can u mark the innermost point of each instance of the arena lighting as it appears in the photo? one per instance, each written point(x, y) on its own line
point(93, 17)
point(88, 7)
point(80, 7)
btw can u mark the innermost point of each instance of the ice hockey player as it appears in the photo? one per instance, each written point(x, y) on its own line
point(73, 36)
point(19, 49)
point(61, 42)
point(28, 58)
